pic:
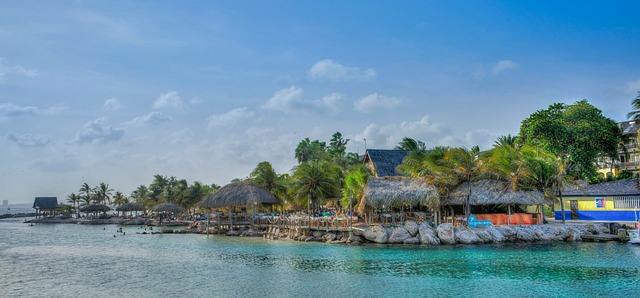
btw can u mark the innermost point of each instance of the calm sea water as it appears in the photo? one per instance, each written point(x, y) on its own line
point(75, 260)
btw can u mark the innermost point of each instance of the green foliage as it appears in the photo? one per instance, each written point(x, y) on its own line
point(578, 132)
point(635, 113)
point(624, 175)
point(310, 151)
point(355, 183)
point(314, 181)
point(410, 144)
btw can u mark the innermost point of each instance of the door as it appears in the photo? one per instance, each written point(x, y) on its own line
point(574, 209)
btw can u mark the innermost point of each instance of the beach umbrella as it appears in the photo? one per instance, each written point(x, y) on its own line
point(130, 207)
point(95, 208)
point(168, 208)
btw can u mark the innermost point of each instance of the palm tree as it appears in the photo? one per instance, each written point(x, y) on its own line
point(140, 194)
point(103, 193)
point(264, 176)
point(548, 174)
point(635, 114)
point(74, 199)
point(120, 199)
point(86, 193)
point(313, 181)
point(466, 165)
point(410, 144)
point(355, 184)
point(507, 140)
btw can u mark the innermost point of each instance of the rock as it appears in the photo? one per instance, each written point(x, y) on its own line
point(573, 236)
point(427, 235)
point(398, 235)
point(317, 234)
point(233, 233)
point(484, 235)
point(355, 238)
point(412, 240)
point(525, 234)
point(377, 234)
point(508, 232)
point(328, 237)
point(411, 227)
point(495, 233)
point(465, 235)
point(445, 233)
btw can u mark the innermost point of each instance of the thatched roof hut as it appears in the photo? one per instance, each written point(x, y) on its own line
point(493, 192)
point(394, 191)
point(167, 207)
point(130, 207)
point(243, 193)
point(95, 208)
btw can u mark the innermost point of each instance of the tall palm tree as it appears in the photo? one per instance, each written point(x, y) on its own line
point(355, 183)
point(140, 194)
point(548, 174)
point(466, 165)
point(103, 193)
point(410, 144)
point(264, 176)
point(120, 199)
point(507, 140)
point(313, 181)
point(86, 193)
point(74, 199)
point(635, 113)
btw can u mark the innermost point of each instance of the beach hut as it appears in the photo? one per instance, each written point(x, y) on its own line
point(45, 204)
point(394, 191)
point(166, 208)
point(244, 193)
point(495, 192)
point(130, 207)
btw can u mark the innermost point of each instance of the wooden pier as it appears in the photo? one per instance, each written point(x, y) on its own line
point(600, 238)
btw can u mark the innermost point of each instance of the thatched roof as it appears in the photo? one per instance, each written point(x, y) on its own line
point(95, 208)
point(130, 207)
point(491, 192)
point(626, 187)
point(167, 207)
point(393, 191)
point(385, 161)
point(243, 193)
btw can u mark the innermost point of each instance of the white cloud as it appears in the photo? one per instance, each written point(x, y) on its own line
point(195, 101)
point(633, 86)
point(170, 99)
point(8, 69)
point(27, 140)
point(292, 100)
point(153, 118)
point(112, 104)
point(328, 69)
point(99, 131)
point(62, 164)
point(229, 118)
point(503, 65)
point(9, 111)
point(375, 101)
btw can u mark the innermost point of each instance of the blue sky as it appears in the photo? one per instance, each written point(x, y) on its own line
point(118, 91)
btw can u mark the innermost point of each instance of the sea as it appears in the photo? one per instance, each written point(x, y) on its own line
point(69, 260)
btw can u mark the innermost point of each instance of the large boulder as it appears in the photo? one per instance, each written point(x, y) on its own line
point(445, 233)
point(412, 240)
point(525, 234)
point(377, 234)
point(508, 232)
point(484, 235)
point(465, 235)
point(355, 239)
point(398, 235)
point(411, 227)
point(317, 234)
point(495, 233)
point(427, 234)
point(328, 237)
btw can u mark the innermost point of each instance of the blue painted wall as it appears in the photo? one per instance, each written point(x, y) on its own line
point(620, 215)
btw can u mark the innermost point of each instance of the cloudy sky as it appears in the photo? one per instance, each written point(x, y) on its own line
point(117, 91)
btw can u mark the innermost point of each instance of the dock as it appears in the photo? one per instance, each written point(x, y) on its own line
point(600, 238)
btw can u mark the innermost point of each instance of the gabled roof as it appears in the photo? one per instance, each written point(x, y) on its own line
point(629, 127)
point(493, 192)
point(45, 203)
point(627, 187)
point(385, 161)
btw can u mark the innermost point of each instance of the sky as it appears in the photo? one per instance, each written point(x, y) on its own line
point(119, 91)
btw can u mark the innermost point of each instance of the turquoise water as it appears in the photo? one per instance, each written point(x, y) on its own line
point(75, 260)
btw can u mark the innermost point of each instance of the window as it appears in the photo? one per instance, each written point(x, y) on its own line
point(626, 202)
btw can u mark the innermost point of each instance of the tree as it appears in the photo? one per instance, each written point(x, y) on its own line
point(410, 144)
point(86, 193)
point(464, 163)
point(120, 199)
point(310, 151)
point(140, 194)
point(264, 176)
point(103, 193)
point(578, 133)
point(635, 113)
point(507, 140)
point(313, 181)
point(548, 174)
point(74, 199)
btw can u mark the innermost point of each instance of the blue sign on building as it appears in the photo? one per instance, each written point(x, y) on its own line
point(600, 203)
point(474, 222)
